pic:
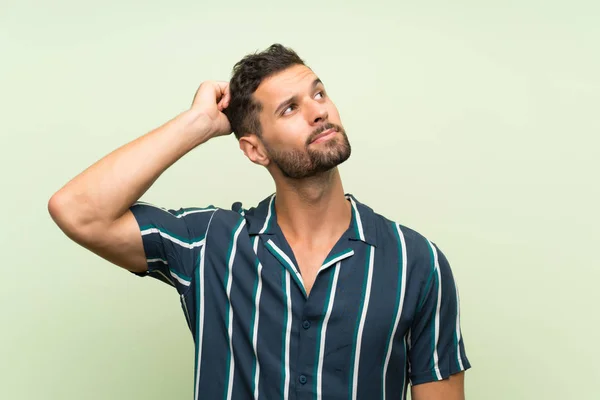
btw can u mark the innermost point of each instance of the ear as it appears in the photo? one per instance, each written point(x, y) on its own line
point(254, 149)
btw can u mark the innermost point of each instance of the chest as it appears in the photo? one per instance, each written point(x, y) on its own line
point(300, 306)
point(288, 287)
point(350, 321)
point(349, 281)
point(310, 261)
point(336, 300)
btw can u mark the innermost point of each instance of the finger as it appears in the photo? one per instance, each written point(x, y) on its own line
point(222, 85)
point(220, 105)
point(224, 92)
point(224, 103)
point(227, 94)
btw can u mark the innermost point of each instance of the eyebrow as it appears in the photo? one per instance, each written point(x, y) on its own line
point(294, 99)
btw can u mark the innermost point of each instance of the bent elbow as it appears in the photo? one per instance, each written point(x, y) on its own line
point(55, 206)
point(58, 206)
point(65, 214)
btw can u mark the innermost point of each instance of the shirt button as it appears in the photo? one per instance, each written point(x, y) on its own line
point(306, 324)
point(302, 379)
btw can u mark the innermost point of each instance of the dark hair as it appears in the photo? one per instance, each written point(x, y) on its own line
point(248, 73)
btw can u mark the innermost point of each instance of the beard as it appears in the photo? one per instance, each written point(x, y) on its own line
point(299, 164)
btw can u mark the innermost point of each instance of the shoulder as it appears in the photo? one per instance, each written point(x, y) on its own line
point(389, 231)
point(236, 216)
point(191, 217)
point(420, 252)
point(225, 219)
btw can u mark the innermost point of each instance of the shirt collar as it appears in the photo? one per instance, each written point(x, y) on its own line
point(363, 222)
point(262, 220)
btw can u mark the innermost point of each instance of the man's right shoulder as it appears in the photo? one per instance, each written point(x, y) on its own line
point(198, 220)
point(255, 217)
point(231, 216)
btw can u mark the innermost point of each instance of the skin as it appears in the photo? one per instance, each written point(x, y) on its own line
point(312, 212)
point(93, 208)
point(452, 388)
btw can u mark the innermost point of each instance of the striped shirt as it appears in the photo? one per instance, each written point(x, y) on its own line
point(383, 311)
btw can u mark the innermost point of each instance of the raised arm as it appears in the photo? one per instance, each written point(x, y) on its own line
point(93, 208)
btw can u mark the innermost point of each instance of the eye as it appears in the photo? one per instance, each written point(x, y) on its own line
point(289, 109)
point(321, 94)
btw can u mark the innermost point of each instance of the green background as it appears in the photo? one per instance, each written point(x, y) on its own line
point(474, 122)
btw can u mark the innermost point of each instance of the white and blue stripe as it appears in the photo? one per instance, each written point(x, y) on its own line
point(382, 312)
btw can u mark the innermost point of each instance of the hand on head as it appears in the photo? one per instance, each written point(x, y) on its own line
point(211, 98)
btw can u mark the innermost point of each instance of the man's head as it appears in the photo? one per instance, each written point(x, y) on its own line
point(282, 116)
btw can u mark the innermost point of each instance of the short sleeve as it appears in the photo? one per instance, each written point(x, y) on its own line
point(436, 348)
point(172, 241)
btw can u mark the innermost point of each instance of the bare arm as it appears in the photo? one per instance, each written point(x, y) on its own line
point(448, 389)
point(93, 208)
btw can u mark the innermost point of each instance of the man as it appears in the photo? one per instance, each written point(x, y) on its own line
point(310, 294)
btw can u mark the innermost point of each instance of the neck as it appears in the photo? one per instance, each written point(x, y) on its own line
point(312, 210)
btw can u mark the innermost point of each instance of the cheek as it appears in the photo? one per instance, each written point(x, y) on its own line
point(289, 134)
point(293, 132)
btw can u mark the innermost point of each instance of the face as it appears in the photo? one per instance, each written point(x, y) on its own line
point(301, 129)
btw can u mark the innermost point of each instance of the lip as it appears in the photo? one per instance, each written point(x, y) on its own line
point(326, 135)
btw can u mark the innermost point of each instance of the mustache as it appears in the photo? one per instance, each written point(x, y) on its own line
point(322, 129)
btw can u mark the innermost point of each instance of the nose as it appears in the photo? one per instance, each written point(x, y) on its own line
point(318, 113)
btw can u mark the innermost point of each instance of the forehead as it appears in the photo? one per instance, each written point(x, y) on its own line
point(284, 84)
